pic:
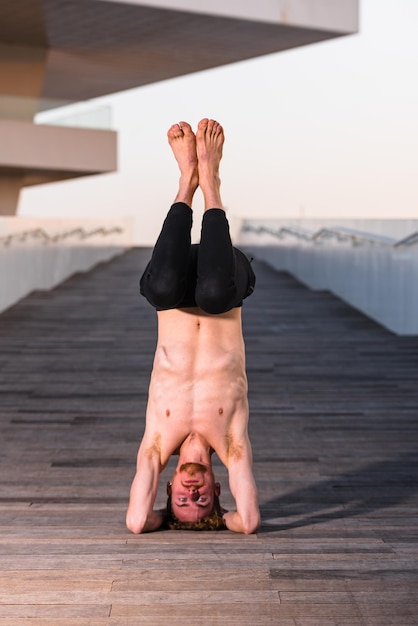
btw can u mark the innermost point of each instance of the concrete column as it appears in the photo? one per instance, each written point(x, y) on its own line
point(22, 71)
point(10, 187)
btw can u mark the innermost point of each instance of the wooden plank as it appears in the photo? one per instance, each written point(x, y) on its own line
point(334, 401)
point(39, 610)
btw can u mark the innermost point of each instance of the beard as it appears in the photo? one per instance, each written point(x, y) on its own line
point(191, 468)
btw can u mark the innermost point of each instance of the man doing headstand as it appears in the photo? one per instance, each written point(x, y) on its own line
point(197, 400)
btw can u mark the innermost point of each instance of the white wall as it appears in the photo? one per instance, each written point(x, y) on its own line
point(34, 260)
point(378, 278)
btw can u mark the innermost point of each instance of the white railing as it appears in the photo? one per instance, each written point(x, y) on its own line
point(338, 234)
point(370, 264)
point(40, 254)
point(40, 235)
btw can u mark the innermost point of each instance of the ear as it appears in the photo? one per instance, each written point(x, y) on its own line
point(217, 489)
point(169, 488)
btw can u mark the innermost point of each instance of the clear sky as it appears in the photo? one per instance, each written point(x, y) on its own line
point(327, 130)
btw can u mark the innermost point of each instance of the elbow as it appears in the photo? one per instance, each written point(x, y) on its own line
point(250, 529)
point(250, 526)
point(135, 525)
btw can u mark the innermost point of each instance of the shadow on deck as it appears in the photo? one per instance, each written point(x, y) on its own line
point(334, 406)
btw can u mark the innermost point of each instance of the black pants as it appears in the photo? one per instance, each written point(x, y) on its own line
point(212, 275)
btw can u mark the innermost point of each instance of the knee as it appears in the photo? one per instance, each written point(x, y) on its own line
point(163, 290)
point(214, 296)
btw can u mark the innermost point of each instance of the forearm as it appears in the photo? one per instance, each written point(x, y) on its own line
point(141, 516)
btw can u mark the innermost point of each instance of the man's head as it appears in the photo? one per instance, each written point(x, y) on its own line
point(193, 499)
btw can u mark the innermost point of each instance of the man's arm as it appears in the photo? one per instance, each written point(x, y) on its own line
point(141, 517)
point(246, 519)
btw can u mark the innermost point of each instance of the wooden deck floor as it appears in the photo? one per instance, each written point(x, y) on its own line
point(334, 407)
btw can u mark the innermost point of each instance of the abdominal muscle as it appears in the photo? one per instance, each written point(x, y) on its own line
point(198, 384)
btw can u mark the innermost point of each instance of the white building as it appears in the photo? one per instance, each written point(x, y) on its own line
point(56, 52)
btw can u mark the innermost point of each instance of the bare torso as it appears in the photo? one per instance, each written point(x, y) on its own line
point(198, 383)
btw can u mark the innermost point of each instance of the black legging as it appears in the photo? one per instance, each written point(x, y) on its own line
point(212, 275)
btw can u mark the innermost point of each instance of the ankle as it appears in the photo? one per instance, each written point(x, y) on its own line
point(188, 184)
point(212, 200)
point(211, 189)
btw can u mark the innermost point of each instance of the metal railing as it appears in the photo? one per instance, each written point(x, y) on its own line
point(42, 236)
point(338, 234)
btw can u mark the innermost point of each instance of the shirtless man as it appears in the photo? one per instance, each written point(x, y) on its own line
point(197, 400)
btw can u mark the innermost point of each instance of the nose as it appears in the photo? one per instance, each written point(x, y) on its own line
point(194, 494)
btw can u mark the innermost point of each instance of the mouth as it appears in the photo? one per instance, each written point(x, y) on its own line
point(191, 483)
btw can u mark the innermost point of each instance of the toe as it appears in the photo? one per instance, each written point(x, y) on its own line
point(214, 127)
point(185, 127)
point(203, 124)
point(174, 129)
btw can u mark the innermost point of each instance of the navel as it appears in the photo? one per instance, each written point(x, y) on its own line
point(220, 411)
point(167, 412)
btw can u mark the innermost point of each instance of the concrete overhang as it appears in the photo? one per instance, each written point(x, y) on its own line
point(42, 154)
point(56, 52)
point(95, 47)
point(332, 15)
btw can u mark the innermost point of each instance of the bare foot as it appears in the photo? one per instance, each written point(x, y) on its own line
point(183, 144)
point(210, 139)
